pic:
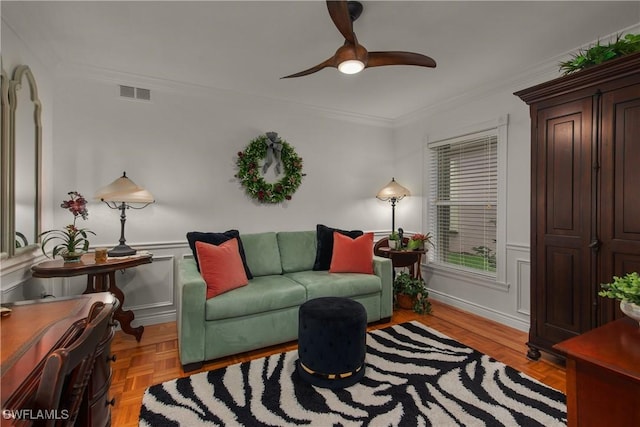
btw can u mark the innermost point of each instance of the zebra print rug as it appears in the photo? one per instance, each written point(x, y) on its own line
point(415, 376)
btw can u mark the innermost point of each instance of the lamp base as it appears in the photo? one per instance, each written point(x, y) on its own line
point(122, 250)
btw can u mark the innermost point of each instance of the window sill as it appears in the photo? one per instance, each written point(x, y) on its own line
point(471, 277)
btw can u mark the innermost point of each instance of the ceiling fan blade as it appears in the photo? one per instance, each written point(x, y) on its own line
point(331, 62)
point(339, 12)
point(378, 59)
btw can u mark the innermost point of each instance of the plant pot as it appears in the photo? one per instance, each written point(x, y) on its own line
point(630, 309)
point(71, 257)
point(405, 301)
point(393, 244)
point(415, 245)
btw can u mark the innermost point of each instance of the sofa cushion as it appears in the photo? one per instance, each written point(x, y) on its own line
point(216, 239)
point(262, 294)
point(221, 267)
point(352, 255)
point(263, 255)
point(325, 245)
point(325, 284)
point(297, 250)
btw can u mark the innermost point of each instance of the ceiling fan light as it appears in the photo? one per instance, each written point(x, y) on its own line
point(351, 66)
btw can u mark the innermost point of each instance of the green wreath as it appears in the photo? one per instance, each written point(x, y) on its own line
point(271, 148)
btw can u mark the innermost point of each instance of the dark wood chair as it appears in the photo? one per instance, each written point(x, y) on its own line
point(67, 370)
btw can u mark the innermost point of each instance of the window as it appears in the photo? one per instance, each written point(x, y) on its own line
point(463, 203)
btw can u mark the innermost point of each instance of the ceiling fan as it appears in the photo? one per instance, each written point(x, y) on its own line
point(352, 57)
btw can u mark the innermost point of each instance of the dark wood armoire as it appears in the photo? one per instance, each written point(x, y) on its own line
point(585, 196)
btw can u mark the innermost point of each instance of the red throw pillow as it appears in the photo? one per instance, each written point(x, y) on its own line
point(352, 255)
point(221, 267)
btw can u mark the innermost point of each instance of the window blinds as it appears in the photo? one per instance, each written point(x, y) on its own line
point(463, 187)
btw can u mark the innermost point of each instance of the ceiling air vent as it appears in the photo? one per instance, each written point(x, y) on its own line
point(135, 93)
point(127, 91)
point(144, 94)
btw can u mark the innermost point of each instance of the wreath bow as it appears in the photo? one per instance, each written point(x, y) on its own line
point(274, 150)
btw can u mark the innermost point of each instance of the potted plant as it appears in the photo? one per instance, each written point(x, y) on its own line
point(74, 240)
point(411, 293)
point(394, 240)
point(627, 290)
point(600, 53)
point(418, 240)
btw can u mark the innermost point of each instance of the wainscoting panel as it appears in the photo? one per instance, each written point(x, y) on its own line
point(507, 303)
point(523, 275)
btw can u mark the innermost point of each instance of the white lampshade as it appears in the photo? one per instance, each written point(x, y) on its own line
point(393, 190)
point(351, 66)
point(124, 190)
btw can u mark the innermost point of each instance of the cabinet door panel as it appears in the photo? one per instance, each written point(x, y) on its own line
point(563, 154)
point(626, 170)
point(563, 229)
point(561, 310)
point(619, 189)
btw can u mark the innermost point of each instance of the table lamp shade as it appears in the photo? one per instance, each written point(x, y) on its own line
point(124, 190)
point(393, 190)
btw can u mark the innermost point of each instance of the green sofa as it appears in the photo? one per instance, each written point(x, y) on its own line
point(265, 312)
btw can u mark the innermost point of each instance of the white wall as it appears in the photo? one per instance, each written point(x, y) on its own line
point(509, 302)
point(182, 147)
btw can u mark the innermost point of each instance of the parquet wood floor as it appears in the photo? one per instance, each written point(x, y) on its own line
point(155, 358)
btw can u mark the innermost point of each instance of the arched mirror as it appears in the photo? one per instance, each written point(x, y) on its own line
point(25, 161)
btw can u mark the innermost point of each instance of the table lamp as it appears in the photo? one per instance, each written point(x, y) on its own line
point(120, 194)
point(393, 192)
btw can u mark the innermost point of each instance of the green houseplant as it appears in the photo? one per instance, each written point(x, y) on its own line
point(418, 241)
point(413, 289)
point(627, 290)
point(394, 238)
point(600, 53)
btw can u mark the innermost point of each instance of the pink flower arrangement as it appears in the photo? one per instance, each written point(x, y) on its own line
point(74, 239)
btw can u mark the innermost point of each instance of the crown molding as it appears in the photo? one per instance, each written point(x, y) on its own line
point(195, 89)
point(529, 76)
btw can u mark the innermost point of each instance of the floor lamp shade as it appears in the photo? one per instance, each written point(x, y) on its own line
point(393, 192)
point(123, 194)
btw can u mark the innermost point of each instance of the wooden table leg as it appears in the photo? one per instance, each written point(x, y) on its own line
point(419, 267)
point(90, 288)
point(122, 316)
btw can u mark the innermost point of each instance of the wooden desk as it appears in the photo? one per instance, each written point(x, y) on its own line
point(30, 333)
point(603, 375)
point(404, 258)
point(98, 276)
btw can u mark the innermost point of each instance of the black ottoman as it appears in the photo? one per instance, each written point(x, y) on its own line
point(331, 342)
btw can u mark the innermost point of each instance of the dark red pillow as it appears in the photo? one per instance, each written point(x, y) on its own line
point(324, 249)
point(221, 267)
point(352, 255)
point(216, 239)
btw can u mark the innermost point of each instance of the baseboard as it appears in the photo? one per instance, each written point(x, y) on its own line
point(153, 319)
point(488, 313)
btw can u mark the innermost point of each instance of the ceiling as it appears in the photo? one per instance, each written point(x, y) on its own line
point(247, 46)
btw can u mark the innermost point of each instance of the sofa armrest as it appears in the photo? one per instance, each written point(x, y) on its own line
point(382, 267)
point(192, 291)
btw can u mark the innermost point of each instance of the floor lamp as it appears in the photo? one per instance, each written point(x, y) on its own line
point(119, 195)
point(393, 192)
